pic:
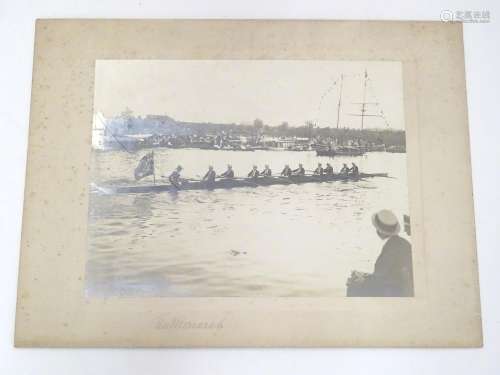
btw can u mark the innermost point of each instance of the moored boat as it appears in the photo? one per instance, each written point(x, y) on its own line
point(233, 183)
point(340, 151)
point(396, 149)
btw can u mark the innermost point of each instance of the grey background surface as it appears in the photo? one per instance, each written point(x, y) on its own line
point(16, 39)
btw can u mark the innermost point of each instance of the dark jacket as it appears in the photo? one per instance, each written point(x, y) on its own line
point(319, 171)
point(209, 176)
point(392, 275)
point(266, 172)
point(254, 173)
point(175, 179)
point(287, 171)
point(344, 170)
point(299, 171)
point(228, 174)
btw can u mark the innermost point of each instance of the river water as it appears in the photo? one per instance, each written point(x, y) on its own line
point(291, 240)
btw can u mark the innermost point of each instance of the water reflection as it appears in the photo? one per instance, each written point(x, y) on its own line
point(283, 240)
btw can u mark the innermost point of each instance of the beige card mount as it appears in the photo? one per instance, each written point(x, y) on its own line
point(159, 210)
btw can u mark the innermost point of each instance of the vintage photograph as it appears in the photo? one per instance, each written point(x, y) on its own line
point(248, 178)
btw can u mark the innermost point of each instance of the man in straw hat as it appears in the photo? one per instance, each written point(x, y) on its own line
point(393, 271)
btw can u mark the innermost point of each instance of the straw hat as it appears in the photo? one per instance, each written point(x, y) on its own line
point(386, 222)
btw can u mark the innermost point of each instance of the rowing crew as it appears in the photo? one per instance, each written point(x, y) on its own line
point(320, 171)
point(254, 173)
point(210, 176)
point(300, 171)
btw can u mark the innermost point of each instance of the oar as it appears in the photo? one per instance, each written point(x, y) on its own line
point(199, 179)
point(285, 178)
point(308, 175)
point(246, 179)
point(279, 175)
point(313, 173)
point(185, 179)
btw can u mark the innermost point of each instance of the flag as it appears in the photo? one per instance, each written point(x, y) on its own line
point(146, 166)
point(406, 220)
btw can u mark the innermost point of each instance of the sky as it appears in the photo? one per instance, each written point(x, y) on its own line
point(240, 91)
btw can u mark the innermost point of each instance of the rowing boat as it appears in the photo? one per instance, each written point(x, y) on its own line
point(340, 152)
point(234, 183)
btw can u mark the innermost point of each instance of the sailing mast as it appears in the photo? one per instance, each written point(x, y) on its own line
point(363, 105)
point(340, 100)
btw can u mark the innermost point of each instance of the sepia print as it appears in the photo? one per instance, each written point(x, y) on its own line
point(122, 248)
point(221, 178)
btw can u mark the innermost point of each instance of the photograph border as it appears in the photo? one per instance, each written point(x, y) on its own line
point(355, 75)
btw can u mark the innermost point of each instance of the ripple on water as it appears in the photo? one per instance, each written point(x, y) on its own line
point(177, 244)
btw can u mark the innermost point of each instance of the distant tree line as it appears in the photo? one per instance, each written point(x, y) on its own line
point(389, 137)
point(167, 125)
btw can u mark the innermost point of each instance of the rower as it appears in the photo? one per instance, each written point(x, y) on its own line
point(319, 170)
point(345, 169)
point(210, 175)
point(287, 171)
point(229, 173)
point(175, 177)
point(266, 172)
point(328, 169)
point(254, 173)
point(300, 171)
point(354, 170)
